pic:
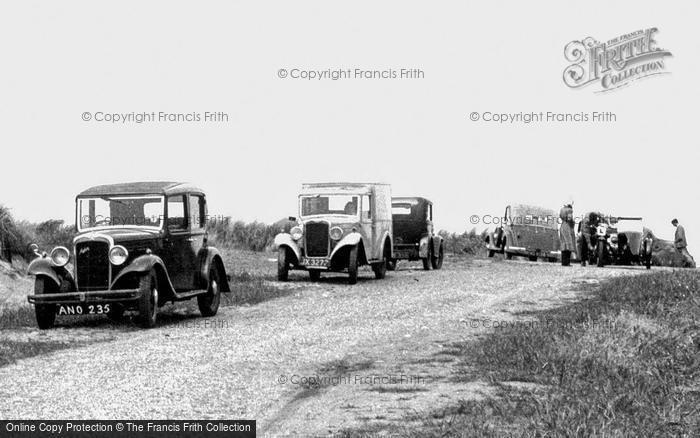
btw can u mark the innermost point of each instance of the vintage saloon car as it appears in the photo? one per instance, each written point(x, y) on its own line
point(527, 231)
point(414, 235)
point(139, 245)
point(340, 227)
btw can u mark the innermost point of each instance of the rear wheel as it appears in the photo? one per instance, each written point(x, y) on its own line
point(391, 264)
point(208, 303)
point(45, 313)
point(509, 256)
point(437, 261)
point(148, 302)
point(314, 274)
point(352, 265)
point(647, 255)
point(282, 264)
point(426, 260)
point(532, 258)
point(491, 253)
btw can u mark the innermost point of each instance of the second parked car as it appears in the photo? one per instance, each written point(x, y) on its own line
point(341, 226)
point(415, 237)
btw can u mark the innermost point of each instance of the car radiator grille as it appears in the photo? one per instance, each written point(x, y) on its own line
point(316, 239)
point(92, 265)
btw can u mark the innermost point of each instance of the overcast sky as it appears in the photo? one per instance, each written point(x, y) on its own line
point(61, 59)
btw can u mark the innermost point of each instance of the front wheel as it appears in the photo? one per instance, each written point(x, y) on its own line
point(437, 261)
point(148, 302)
point(352, 265)
point(282, 265)
point(491, 253)
point(391, 264)
point(208, 303)
point(45, 313)
point(314, 274)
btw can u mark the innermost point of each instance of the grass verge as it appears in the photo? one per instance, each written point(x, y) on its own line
point(623, 362)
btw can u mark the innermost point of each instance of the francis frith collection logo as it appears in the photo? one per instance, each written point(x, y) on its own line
point(615, 63)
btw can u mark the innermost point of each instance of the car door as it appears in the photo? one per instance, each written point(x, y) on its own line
point(178, 256)
point(369, 227)
point(198, 232)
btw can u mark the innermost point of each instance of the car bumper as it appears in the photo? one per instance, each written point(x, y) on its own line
point(107, 296)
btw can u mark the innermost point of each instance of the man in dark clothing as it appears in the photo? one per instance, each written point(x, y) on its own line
point(681, 244)
point(588, 227)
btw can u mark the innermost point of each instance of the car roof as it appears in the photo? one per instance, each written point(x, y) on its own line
point(141, 188)
point(337, 187)
point(410, 199)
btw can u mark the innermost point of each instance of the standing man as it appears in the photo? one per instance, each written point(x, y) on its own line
point(681, 244)
point(567, 235)
point(587, 227)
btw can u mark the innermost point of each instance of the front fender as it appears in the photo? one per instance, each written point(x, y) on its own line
point(285, 240)
point(211, 257)
point(349, 240)
point(44, 267)
point(141, 265)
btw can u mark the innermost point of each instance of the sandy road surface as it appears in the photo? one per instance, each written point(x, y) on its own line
point(380, 350)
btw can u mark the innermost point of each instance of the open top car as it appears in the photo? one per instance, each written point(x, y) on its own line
point(414, 235)
point(139, 245)
point(340, 227)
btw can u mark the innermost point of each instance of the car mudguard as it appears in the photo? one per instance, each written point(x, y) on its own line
point(211, 256)
point(349, 240)
point(142, 265)
point(285, 240)
point(43, 266)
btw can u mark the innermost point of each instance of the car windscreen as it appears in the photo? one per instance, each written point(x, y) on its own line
point(330, 204)
point(120, 211)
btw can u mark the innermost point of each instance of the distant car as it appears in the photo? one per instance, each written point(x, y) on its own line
point(341, 226)
point(623, 241)
point(139, 245)
point(414, 234)
point(527, 231)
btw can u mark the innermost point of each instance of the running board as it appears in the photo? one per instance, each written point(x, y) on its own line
point(181, 296)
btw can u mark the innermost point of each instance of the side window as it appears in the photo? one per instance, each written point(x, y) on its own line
point(430, 212)
point(366, 207)
point(177, 213)
point(199, 211)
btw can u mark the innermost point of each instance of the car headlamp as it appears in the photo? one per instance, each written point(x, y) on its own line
point(118, 255)
point(60, 256)
point(336, 233)
point(296, 233)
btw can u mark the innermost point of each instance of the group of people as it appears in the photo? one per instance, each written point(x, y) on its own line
point(589, 222)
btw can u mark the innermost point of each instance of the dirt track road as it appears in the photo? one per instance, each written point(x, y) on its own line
point(380, 350)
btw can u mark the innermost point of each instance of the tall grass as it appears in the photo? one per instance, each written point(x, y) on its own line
point(253, 236)
point(16, 236)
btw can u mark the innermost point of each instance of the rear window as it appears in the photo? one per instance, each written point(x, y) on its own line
point(401, 209)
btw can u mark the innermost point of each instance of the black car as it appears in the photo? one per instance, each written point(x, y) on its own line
point(414, 235)
point(139, 245)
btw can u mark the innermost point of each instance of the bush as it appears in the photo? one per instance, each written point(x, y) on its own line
point(469, 242)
